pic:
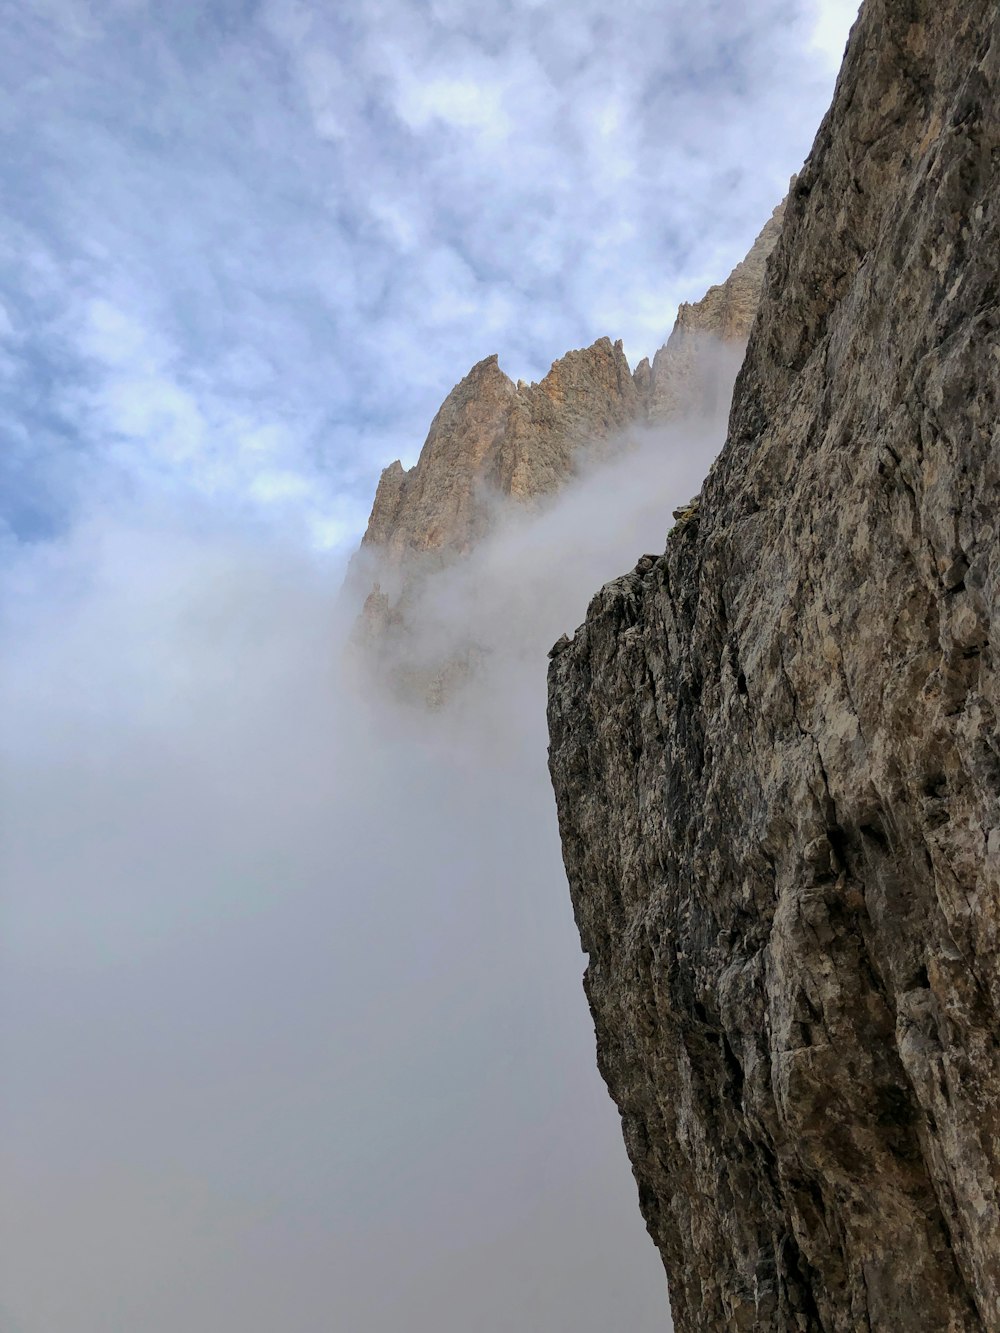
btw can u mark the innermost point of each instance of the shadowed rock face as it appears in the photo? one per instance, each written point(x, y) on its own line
point(776, 757)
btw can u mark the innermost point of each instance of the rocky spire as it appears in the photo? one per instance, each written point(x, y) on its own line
point(494, 440)
point(692, 372)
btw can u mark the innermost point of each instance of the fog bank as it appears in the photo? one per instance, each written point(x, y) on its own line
point(293, 1032)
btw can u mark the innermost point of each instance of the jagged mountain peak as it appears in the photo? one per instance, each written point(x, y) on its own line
point(492, 438)
point(493, 441)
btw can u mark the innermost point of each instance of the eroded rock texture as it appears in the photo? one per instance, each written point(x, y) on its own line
point(776, 757)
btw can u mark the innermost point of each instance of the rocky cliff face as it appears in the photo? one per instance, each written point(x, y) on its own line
point(776, 757)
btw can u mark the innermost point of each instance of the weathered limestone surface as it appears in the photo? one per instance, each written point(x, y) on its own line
point(776, 757)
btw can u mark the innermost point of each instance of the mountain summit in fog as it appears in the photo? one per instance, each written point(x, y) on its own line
point(497, 450)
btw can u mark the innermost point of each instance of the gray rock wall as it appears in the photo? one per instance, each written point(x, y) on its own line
point(776, 757)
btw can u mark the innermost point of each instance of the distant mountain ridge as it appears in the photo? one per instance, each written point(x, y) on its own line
point(494, 443)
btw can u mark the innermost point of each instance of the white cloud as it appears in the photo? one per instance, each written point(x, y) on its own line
point(312, 220)
point(832, 23)
point(117, 338)
point(461, 103)
point(278, 485)
point(7, 331)
point(292, 1027)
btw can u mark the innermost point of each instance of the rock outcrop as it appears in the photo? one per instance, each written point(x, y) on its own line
point(776, 756)
point(495, 444)
point(492, 441)
point(492, 445)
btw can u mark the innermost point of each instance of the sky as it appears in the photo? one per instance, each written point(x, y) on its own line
point(290, 1012)
point(250, 245)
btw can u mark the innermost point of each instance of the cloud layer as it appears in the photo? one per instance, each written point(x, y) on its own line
point(293, 1034)
point(250, 246)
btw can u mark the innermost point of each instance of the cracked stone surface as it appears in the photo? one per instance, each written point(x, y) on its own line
point(776, 758)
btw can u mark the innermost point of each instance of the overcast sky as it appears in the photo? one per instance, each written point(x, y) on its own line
point(249, 245)
point(290, 1017)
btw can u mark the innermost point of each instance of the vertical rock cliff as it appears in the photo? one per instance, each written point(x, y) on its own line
point(776, 757)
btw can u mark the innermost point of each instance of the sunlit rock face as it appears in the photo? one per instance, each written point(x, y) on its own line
point(496, 447)
point(775, 749)
point(494, 440)
point(493, 445)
